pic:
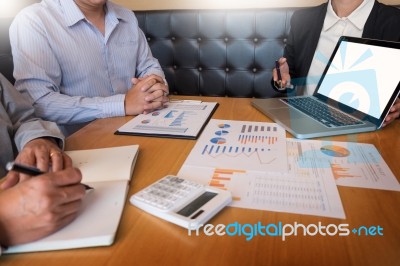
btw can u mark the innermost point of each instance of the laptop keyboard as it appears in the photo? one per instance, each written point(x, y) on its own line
point(325, 114)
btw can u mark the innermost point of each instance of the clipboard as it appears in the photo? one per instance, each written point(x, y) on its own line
point(184, 119)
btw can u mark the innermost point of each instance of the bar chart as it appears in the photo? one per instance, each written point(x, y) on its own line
point(242, 145)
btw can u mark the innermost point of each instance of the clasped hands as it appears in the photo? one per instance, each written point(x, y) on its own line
point(146, 95)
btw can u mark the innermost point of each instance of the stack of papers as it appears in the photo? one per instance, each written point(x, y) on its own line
point(266, 171)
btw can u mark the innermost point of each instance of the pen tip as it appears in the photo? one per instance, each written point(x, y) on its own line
point(87, 187)
point(9, 166)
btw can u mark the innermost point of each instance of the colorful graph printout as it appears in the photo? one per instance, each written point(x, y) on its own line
point(308, 186)
point(253, 163)
point(241, 145)
point(179, 119)
point(353, 164)
point(312, 192)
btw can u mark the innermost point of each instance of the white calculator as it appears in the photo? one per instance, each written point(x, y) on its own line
point(181, 201)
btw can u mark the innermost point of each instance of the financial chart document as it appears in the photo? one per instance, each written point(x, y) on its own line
point(352, 164)
point(253, 163)
point(183, 119)
point(241, 145)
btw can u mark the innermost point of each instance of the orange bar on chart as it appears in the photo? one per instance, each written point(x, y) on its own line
point(216, 184)
point(221, 178)
point(228, 171)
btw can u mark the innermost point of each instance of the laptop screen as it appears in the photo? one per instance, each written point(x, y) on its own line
point(362, 74)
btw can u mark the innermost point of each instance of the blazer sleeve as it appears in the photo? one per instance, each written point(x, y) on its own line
point(25, 126)
point(305, 30)
point(383, 23)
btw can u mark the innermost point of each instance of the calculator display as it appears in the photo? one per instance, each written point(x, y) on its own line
point(197, 203)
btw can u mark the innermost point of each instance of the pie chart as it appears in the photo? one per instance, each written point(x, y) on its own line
point(335, 151)
point(224, 126)
point(221, 132)
point(218, 140)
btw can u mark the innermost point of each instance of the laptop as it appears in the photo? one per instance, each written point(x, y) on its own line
point(354, 94)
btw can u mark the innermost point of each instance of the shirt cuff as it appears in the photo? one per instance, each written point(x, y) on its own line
point(114, 106)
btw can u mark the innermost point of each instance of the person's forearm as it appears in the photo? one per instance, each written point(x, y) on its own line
point(64, 109)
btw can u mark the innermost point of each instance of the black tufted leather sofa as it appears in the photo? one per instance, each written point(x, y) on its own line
point(206, 52)
point(218, 52)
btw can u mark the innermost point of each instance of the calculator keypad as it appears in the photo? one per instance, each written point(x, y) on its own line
point(168, 192)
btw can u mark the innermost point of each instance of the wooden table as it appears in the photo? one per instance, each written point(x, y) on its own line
point(146, 240)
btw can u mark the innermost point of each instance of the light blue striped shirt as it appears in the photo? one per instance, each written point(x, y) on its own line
point(72, 72)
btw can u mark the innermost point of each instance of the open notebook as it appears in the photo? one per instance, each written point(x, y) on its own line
point(108, 171)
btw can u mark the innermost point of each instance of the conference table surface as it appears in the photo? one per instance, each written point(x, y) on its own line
point(146, 240)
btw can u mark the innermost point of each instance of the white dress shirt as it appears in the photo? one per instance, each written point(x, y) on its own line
point(334, 27)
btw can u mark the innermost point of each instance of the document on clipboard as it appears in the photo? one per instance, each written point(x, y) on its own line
point(178, 119)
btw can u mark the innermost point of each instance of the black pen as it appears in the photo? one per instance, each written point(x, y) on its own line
point(278, 70)
point(30, 170)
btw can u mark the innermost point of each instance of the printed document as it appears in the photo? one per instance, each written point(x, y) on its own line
point(234, 155)
point(178, 119)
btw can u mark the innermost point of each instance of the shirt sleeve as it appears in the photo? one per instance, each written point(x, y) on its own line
point(147, 64)
point(25, 125)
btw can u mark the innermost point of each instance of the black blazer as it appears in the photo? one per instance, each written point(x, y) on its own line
point(306, 26)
